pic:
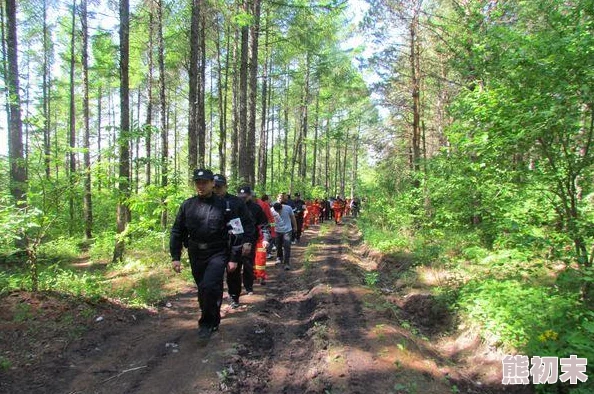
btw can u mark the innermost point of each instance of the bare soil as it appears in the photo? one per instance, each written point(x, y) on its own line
point(314, 329)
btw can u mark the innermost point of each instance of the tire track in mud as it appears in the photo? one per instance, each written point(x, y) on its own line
point(317, 342)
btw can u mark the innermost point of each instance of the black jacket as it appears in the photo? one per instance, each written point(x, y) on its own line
point(204, 220)
point(237, 205)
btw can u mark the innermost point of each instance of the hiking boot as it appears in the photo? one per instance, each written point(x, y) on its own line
point(287, 267)
point(250, 292)
point(234, 304)
point(278, 262)
point(205, 332)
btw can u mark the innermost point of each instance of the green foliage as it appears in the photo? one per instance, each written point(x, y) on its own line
point(371, 278)
point(102, 247)
point(84, 284)
point(512, 311)
point(5, 363)
point(60, 249)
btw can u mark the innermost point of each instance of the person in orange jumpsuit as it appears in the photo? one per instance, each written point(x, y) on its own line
point(261, 246)
point(316, 209)
point(338, 208)
point(307, 215)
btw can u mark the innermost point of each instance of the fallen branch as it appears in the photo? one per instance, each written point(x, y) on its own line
point(123, 372)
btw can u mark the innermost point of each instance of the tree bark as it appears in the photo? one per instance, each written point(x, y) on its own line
point(262, 151)
point(415, 89)
point(99, 114)
point(46, 93)
point(305, 121)
point(87, 198)
point(244, 157)
point(193, 88)
point(235, 115)
point(164, 123)
point(201, 111)
point(18, 175)
point(123, 211)
point(148, 124)
point(223, 93)
point(253, 93)
point(72, 128)
point(315, 142)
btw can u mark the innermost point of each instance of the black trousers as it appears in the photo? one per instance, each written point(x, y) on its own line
point(299, 220)
point(208, 269)
point(245, 270)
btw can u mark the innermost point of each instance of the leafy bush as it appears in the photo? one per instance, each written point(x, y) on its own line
point(512, 311)
point(60, 249)
point(102, 248)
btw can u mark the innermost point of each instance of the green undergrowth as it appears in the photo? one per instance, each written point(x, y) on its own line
point(521, 301)
point(144, 278)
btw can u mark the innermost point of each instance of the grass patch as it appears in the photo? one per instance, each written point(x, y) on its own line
point(143, 279)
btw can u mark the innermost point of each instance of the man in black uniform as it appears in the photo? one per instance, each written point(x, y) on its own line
point(202, 226)
point(299, 211)
point(248, 238)
point(261, 222)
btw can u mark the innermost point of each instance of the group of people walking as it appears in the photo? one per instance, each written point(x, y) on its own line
point(235, 235)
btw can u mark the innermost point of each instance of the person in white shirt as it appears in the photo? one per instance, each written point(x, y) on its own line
point(285, 225)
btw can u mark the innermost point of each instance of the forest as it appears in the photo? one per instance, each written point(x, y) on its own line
point(465, 127)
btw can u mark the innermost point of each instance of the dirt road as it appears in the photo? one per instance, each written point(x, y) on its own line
point(314, 329)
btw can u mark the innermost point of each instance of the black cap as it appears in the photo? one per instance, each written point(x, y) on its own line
point(202, 174)
point(244, 190)
point(220, 179)
point(277, 206)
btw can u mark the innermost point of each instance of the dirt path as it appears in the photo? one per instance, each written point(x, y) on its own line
point(315, 329)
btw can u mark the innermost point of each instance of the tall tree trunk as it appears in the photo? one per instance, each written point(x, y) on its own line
point(235, 115)
point(87, 199)
point(211, 116)
point(46, 93)
point(355, 162)
point(269, 135)
point(223, 92)
point(262, 151)
point(315, 142)
point(135, 159)
point(201, 111)
point(344, 165)
point(305, 113)
point(99, 114)
point(123, 211)
point(327, 166)
point(164, 123)
point(415, 89)
point(286, 126)
point(18, 175)
point(72, 129)
point(193, 88)
point(148, 125)
point(253, 93)
point(244, 157)
point(27, 111)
